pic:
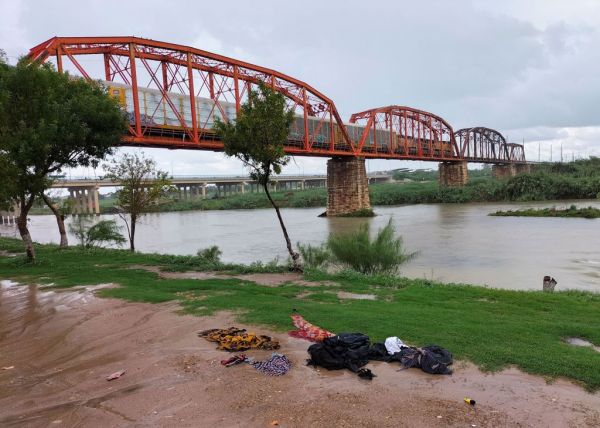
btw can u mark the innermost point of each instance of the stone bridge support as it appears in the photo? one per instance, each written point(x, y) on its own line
point(523, 168)
point(347, 186)
point(86, 200)
point(504, 170)
point(453, 173)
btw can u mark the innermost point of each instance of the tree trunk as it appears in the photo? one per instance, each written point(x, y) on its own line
point(60, 220)
point(294, 255)
point(24, 230)
point(132, 233)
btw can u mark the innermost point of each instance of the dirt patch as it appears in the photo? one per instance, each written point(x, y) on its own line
point(356, 296)
point(303, 295)
point(266, 279)
point(63, 345)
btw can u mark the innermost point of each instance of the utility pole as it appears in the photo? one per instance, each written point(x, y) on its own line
point(561, 158)
point(539, 153)
point(550, 152)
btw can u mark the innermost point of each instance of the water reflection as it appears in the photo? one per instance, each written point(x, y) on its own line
point(457, 243)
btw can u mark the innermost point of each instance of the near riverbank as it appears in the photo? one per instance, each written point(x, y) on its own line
point(495, 329)
point(63, 343)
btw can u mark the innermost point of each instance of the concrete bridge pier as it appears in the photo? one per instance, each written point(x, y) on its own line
point(347, 186)
point(86, 200)
point(453, 173)
point(10, 217)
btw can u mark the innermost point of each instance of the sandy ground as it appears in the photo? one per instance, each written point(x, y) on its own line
point(62, 345)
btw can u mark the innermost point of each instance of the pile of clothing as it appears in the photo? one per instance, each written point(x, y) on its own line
point(353, 351)
point(237, 339)
point(431, 359)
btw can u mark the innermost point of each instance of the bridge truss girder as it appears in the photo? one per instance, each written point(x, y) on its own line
point(487, 145)
point(414, 133)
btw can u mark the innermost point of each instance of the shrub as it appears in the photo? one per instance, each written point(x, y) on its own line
point(384, 254)
point(211, 254)
point(314, 257)
point(102, 233)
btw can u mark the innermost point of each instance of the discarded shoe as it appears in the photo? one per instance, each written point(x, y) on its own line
point(366, 374)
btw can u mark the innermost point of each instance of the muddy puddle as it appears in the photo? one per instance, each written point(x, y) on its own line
point(62, 345)
point(576, 341)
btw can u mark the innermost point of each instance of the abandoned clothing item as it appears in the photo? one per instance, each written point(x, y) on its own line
point(236, 359)
point(378, 352)
point(275, 365)
point(393, 345)
point(344, 351)
point(307, 330)
point(431, 359)
point(234, 339)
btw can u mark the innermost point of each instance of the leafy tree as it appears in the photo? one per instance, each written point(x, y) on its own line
point(144, 186)
point(257, 138)
point(96, 235)
point(49, 121)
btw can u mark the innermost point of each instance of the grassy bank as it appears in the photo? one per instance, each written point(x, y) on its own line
point(572, 211)
point(492, 328)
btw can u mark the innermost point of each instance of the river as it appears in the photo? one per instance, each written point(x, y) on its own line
point(456, 242)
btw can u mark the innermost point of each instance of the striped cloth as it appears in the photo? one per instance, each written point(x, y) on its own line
point(275, 365)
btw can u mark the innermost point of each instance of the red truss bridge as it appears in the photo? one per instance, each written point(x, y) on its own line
point(172, 95)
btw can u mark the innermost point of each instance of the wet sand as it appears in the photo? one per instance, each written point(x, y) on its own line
point(63, 345)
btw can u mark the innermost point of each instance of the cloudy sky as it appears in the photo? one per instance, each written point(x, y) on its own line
point(529, 68)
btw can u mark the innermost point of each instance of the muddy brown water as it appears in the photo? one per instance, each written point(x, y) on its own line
point(456, 242)
point(58, 347)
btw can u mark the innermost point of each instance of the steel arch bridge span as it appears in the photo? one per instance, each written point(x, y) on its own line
point(487, 145)
point(404, 133)
point(172, 93)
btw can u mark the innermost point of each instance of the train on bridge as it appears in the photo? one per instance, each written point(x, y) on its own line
point(162, 116)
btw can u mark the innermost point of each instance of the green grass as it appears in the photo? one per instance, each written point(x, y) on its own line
point(492, 328)
point(572, 211)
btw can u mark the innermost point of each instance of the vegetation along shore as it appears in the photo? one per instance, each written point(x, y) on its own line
point(572, 211)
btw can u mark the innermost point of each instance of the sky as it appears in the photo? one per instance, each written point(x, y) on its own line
point(528, 68)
